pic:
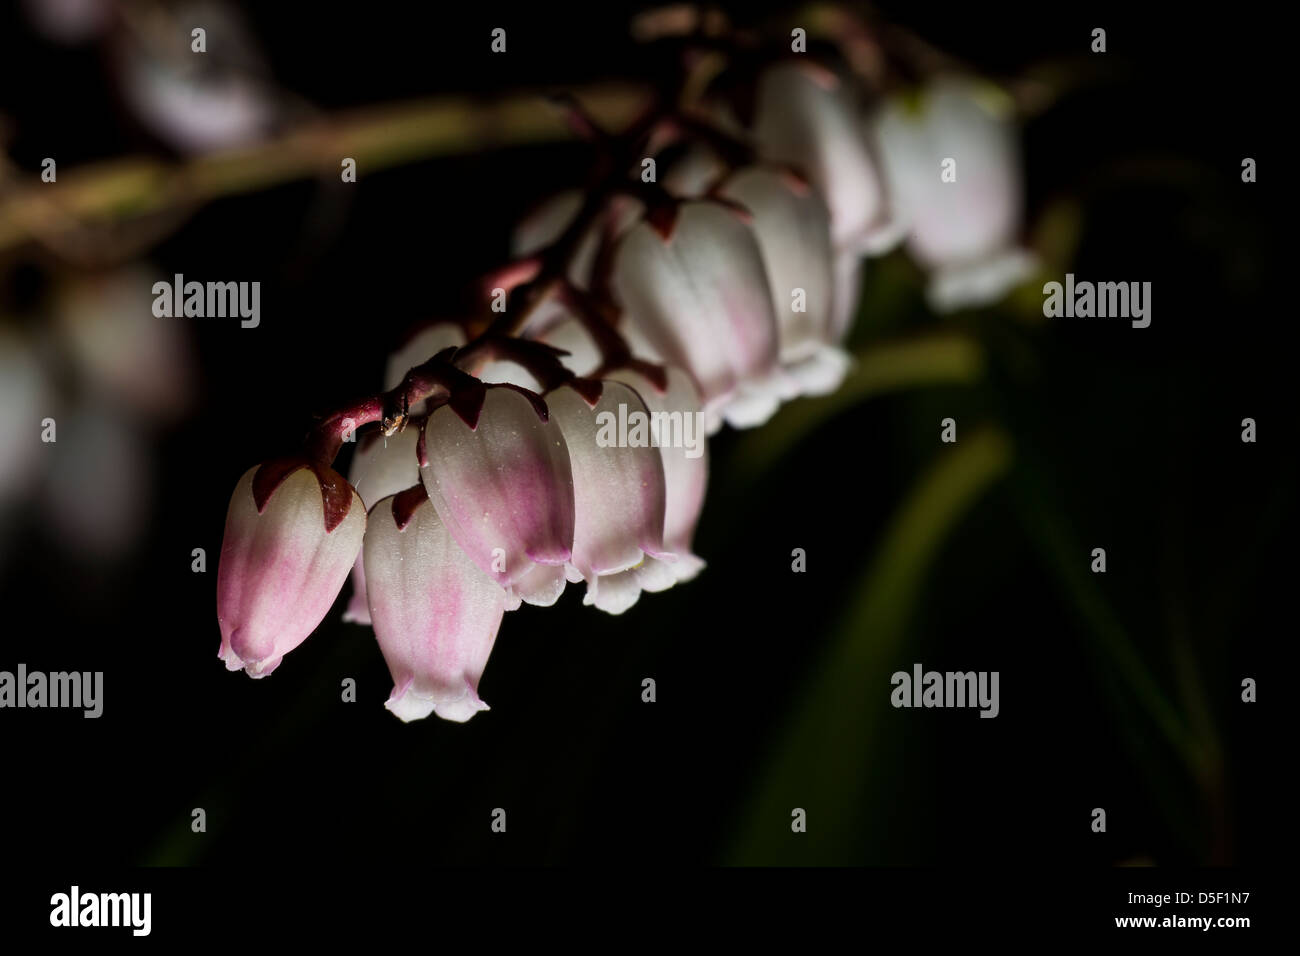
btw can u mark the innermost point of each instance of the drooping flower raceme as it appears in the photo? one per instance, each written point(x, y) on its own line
point(435, 613)
point(293, 531)
point(563, 439)
point(503, 486)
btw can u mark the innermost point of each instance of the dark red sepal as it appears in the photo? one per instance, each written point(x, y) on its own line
point(662, 218)
point(590, 389)
point(405, 503)
point(467, 402)
point(336, 493)
point(657, 374)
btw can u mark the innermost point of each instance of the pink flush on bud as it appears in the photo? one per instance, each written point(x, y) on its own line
point(618, 487)
point(792, 226)
point(685, 463)
point(686, 476)
point(806, 117)
point(699, 293)
point(435, 613)
point(503, 486)
point(293, 531)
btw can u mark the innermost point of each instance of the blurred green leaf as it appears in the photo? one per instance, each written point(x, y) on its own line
point(822, 763)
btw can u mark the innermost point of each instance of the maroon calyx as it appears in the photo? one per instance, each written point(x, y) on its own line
point(336, 493)
point(662, 218)
point(467, 401)
point(541, 360)
point(405, 503)
point(590, 389)
point(657, 374)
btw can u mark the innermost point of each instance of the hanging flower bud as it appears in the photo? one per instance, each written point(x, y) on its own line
point(694, 174)
point(382, 466)
point(696, 289)
point(292, 532)
point(618, 484)
point(503, 487)
point(676, 411)
point(436, 615)
point(805, 117)
point(196, 104)
point(951, 157)
point(792, 226)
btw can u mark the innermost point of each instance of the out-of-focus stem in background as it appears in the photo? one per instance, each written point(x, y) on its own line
point(120, 191)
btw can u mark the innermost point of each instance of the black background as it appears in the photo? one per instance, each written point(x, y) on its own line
point(1131, 435)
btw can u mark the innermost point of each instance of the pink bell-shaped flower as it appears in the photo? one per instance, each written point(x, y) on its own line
point(618, 486)
point(679, 434)
point(381, 466)
point(953, 166)
point(292, 532)
point(697, 290)
point(792, 226)
point(805, 116)
point(435, 613)
point(503, 486)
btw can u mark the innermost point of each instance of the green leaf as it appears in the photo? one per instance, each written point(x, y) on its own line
point(822, 763)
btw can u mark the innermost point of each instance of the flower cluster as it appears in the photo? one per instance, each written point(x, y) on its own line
point(712, 293)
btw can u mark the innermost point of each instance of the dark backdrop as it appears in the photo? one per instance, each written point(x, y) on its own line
point(1123, 438)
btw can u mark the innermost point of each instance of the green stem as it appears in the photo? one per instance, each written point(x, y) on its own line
point(377, 138)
